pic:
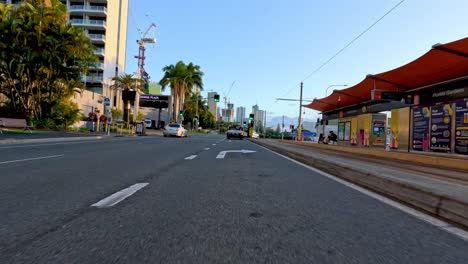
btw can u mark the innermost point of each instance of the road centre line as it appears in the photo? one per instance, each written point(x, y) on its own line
point(191, 157)
point(413, 212)
point(119, 196)
point(37, 158)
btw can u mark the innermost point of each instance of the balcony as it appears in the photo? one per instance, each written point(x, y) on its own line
point(99, 51)
point(92, 79)
point(98, 38)
point(91, 10)
point(89, 23)
point(98, 66)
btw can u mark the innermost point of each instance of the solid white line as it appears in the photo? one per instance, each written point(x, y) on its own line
point(413, 212)
point(206, 148)
point(119, 196)
point(191, 157)
point(38, 158)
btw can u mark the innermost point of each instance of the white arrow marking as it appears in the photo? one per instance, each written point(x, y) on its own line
point(223, 153)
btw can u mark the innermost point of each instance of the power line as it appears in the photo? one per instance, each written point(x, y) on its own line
point(352, 41)
point(346, 46)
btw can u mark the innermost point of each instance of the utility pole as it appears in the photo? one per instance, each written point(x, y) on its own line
point(282, 129)
point(299, 128)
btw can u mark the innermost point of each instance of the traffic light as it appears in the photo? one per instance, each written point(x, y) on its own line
point(251, 123)
point(216, 98)
point(251, 117)
point(181, 113)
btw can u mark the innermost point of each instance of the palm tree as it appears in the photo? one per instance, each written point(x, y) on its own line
point(126, 82)
point(182, 79)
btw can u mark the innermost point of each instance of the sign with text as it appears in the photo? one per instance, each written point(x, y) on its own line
point(420, 128)
point(154, 101)
point(441, 121)
point(461, 127)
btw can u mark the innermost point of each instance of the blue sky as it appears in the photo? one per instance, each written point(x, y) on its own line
point(269, 46)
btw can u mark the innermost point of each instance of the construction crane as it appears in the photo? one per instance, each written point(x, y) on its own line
point(144, 39)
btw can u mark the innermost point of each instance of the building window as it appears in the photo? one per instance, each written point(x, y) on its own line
point(344, 130)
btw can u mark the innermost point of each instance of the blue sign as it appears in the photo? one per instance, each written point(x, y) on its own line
point(106, 101)
point(461, 127)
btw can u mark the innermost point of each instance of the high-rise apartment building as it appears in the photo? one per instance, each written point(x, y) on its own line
point(230, 116)
point(212, 105)
point(105, 23)
point(240, 114)
point(259, 117)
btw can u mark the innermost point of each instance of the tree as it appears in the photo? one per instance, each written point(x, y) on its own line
point(139, 116)
point(182, 79)
point(64, 114)
point(207, 120)
point(278, 129)
point(42, 57)
point(127, 82)
point(116, 113)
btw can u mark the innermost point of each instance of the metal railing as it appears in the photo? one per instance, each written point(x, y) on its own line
point(99, 51)
point(88, 22)
point(88, 8)
point(98, 78)
point(97, 36)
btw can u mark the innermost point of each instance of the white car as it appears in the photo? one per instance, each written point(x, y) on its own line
point(175, 129)
point(148, 123)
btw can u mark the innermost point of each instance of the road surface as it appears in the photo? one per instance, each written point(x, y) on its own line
point(177, 202)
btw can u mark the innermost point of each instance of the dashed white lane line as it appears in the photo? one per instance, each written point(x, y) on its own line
point(191, 157)
point(206, 149)
point(119, 196)
point(37, 158)
point(413, 212)
point(214, 144)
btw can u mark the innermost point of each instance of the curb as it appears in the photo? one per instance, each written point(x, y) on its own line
point(447, 208)
point(434, 161)
point(47, 140)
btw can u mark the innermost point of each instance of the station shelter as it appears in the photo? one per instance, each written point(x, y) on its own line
point(427, 99)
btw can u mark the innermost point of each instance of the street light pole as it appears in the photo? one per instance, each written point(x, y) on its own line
point(333, 85)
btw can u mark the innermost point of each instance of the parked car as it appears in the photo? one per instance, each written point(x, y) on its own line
point(235, 132)
point(175, 129)
point(148, 123)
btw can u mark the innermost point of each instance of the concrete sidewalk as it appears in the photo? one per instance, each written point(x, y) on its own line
point(439, 191)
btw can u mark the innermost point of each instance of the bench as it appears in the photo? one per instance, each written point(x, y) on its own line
point(14, 123)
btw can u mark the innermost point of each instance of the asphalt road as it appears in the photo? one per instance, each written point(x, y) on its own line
point(243, 208)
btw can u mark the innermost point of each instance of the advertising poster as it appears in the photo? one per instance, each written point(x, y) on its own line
point(393, 137)
point(441, 121)
point(378, 132)
point(420, 128)
point(461, 127)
